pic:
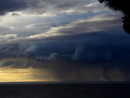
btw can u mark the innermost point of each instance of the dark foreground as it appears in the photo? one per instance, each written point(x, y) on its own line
point(65, 90)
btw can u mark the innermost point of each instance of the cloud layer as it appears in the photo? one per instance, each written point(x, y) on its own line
point(42, 6)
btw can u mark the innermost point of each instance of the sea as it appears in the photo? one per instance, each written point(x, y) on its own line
point(65, 90)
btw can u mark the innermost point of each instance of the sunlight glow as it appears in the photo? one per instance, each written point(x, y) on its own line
point(24, 75)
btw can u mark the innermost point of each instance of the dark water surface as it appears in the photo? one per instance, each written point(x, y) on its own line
point(65, 90)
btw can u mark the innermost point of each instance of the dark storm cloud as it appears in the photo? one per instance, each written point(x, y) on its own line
point(82, 48)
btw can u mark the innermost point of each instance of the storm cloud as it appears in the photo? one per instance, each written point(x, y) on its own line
point(76, 48)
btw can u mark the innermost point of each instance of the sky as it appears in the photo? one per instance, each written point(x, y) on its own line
point(79, 31)
point(49, 29)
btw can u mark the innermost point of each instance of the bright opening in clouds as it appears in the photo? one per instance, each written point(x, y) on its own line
point(79, 36)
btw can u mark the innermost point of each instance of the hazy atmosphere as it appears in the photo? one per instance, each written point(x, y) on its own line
point(62, 40)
